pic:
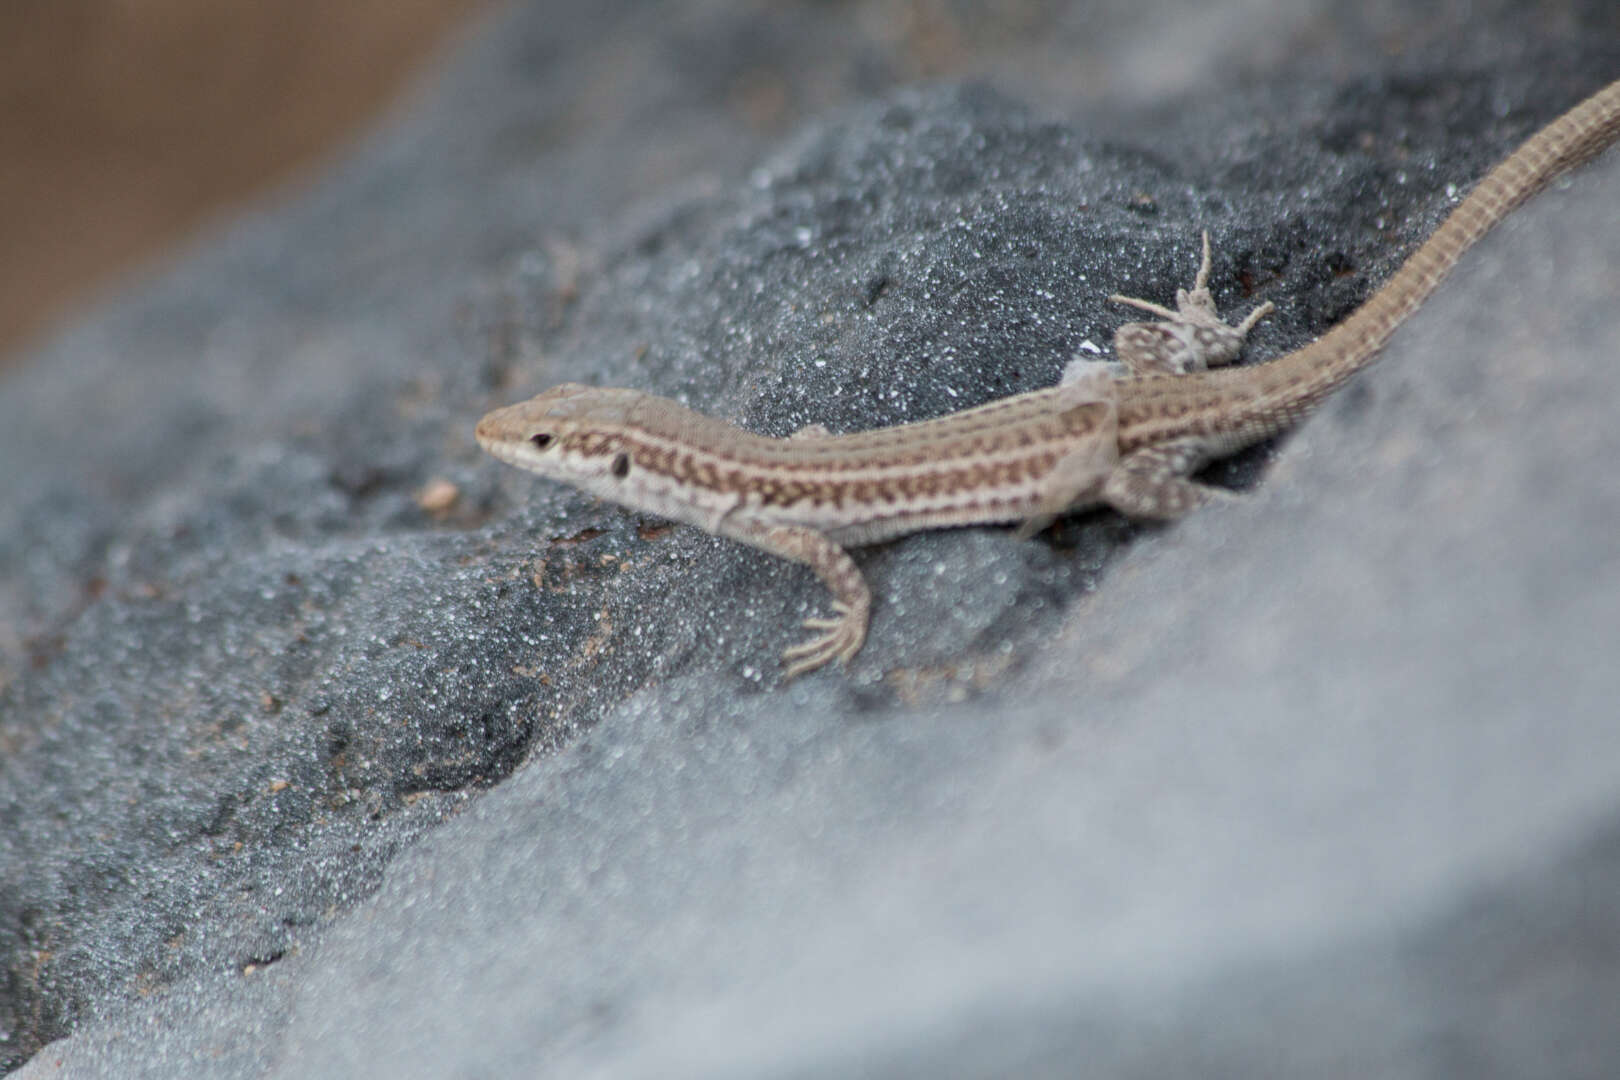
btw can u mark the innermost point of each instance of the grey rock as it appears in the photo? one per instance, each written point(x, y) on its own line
point(300, 778)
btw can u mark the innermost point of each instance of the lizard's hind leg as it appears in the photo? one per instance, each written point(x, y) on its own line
point(1152, 482)
point(1191, 338)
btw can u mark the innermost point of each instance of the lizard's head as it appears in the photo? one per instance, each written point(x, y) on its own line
point(570, 432)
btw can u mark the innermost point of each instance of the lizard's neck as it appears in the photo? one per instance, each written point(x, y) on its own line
point(1245, 405)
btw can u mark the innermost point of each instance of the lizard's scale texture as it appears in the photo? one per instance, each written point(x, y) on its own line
point(1127, 440)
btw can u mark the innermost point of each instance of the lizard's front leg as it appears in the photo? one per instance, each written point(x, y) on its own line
point(1191, 338)
point(840, 638)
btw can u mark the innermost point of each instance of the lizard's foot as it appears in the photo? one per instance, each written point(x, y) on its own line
point(841, 640)
point(1191, 338)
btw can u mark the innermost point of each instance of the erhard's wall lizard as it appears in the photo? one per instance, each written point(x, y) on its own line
point(1127, 435)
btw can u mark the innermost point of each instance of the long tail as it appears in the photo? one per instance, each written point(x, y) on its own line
point(1296, 382)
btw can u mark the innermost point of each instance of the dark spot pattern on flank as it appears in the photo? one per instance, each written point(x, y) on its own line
point(1015, 457)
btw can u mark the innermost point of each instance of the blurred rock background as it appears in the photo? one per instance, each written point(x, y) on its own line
point(124, 125)
point(308, 769)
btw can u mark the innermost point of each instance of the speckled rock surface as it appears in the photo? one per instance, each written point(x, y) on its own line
point(328, 747)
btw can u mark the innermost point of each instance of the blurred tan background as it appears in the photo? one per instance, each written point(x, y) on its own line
point(123, 124)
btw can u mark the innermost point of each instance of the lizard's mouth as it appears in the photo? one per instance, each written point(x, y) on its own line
point(510, 453)
point(504, 431)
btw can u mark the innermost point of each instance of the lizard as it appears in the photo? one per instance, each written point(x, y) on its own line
point(1129, 435)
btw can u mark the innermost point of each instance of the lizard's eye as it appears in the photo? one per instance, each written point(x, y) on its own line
point(621, 465)
point(541, 440)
